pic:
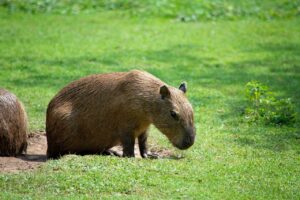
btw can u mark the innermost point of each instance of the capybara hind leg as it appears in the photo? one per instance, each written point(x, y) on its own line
point(128, 145)
point(53, 155)
point(23, 148)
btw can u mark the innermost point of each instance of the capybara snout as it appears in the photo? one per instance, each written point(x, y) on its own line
point(95, 113)
point(185, 139)
point(188, 140)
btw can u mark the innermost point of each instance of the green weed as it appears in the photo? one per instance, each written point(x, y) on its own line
point(263, 105)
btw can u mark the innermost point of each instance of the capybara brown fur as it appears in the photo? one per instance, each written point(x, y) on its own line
point(97, 112)
point(13, 125)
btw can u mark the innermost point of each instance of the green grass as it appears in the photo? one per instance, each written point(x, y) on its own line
point(231, 159)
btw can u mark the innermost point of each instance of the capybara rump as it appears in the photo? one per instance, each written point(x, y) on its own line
point(13, 125)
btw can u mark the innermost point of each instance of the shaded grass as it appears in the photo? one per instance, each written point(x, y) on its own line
point(231, 159)
point(185, 11)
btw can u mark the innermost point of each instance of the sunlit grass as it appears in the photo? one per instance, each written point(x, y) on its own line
point(231, 159)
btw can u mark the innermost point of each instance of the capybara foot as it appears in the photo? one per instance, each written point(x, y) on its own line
point(150, 155)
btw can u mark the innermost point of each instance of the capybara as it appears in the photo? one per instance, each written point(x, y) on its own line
point(13, 125)
point(97, 112)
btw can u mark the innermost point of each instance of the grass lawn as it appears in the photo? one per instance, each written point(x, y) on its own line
point(231, 159)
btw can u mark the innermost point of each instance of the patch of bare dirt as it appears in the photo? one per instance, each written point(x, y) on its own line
point(36, 155)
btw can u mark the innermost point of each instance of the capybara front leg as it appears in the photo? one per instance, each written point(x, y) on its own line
point(144, 147)
point(128, 146)
point(143, 144)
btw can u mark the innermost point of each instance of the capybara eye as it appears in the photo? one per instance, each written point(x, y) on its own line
point(174, 115)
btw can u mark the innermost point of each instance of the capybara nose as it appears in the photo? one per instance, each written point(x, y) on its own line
point(187, 142)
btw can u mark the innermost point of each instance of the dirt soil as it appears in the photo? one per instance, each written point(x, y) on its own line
point(36, 155)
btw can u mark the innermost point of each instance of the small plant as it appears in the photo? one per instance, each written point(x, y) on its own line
point(263, 106)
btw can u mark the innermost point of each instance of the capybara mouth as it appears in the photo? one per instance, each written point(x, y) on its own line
point(184, 146)
point(187, 142)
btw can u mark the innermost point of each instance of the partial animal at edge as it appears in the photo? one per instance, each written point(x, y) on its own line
point(13, 125)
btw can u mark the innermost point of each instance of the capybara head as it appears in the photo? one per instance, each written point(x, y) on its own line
point(175, 117)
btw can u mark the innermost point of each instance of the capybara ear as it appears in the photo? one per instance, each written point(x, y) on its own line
point(183, 87)
point(164, 92)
